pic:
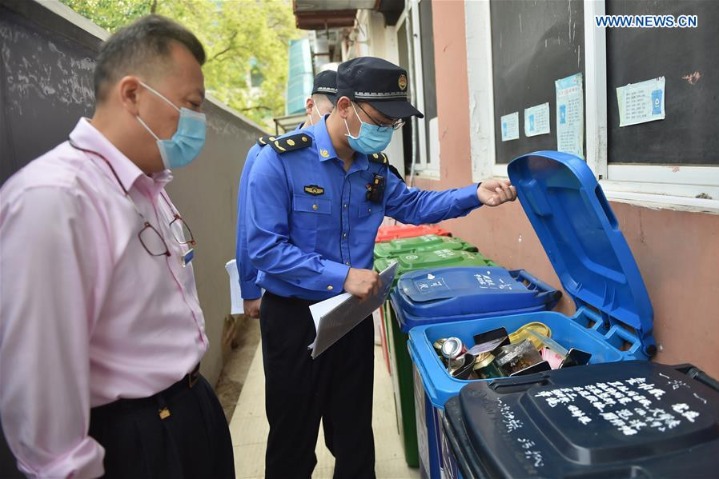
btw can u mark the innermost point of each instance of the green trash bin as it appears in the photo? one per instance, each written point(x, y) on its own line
point(431, 239)
point(416, 244)
point(400, 361)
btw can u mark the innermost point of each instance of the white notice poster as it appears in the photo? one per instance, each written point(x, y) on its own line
point(510, 126)
point(536, 120)
point(641, 102)
point(570, 115)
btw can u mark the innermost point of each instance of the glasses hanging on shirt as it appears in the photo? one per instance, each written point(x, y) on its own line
point(153, 241)
point(150, 237)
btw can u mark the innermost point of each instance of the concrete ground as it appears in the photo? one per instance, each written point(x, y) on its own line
point(241, 392)
point(237, 364)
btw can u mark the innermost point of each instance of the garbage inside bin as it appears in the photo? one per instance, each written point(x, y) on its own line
point(497, 354)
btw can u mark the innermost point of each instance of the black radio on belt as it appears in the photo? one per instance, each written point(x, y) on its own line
point(375, 190)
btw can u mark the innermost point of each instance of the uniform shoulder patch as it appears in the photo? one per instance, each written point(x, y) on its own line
point(380, 158)
point(265, 140)
point(284, 144)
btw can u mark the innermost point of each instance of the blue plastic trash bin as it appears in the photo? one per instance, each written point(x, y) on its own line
point(449, 294)
point(580, 234)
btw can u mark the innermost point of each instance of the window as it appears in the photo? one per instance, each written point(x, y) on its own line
point(416, 50)
point(674, 160)
point(677, 156)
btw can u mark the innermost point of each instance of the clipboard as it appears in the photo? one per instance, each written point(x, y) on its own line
point(336, 316)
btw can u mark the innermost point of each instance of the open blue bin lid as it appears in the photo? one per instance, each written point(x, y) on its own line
point(572, 218)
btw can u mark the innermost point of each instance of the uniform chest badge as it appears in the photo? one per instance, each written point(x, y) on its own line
point(324, 153)
point(314, 190)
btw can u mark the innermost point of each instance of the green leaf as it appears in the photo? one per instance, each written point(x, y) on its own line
point(237, 35)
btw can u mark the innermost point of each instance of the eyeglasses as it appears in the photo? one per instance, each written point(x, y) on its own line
point(150, 238)
point(395, 125)
point(153, 241)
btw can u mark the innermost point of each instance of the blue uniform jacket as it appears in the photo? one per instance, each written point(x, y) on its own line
point(248, 273)
point(309, 220)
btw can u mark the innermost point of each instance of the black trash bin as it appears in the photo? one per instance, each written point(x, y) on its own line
point(632, 419)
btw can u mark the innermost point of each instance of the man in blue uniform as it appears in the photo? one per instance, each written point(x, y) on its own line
point(319, 103)
point(319, 197)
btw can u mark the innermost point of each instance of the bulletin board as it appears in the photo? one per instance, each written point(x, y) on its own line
point(533, 45)
point(688, 59)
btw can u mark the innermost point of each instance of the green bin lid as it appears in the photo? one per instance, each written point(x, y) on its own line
point(432, 259)
point(431, 242)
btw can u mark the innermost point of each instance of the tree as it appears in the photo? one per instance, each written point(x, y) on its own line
point(241, 37)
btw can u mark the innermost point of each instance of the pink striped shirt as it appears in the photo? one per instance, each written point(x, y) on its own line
point(87, 316)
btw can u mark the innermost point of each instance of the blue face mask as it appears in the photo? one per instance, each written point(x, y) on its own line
point(371, 139)
point(187, 142)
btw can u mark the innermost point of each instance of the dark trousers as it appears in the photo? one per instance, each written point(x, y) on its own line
point(299, 391)
point(192, 442)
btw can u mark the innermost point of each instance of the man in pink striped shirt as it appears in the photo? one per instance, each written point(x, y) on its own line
point(101, 330)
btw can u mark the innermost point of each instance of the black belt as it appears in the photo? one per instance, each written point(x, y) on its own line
point(158, 400)
point(292, 299)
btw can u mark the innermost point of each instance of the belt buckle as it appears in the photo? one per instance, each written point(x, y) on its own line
point(193, 376)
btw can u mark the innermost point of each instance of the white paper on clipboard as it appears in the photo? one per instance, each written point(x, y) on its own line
point(336, 316)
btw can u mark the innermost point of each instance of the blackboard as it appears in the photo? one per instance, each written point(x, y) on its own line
point(688, 58)
point(46, 84)
point(533, 44)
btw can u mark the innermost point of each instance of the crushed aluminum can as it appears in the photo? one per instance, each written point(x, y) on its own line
point(453, 348)
point(438, 345)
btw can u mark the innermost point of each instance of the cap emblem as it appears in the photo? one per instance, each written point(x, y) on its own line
point(402, 82)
